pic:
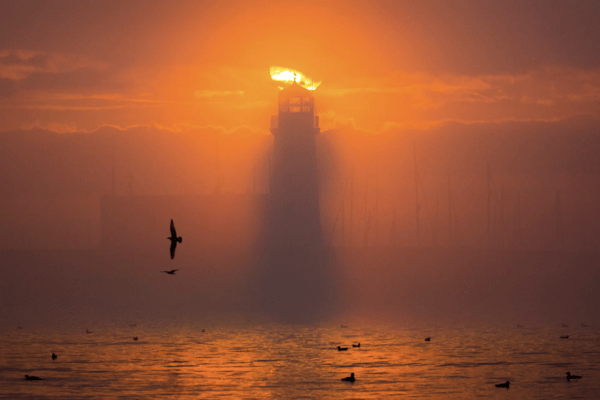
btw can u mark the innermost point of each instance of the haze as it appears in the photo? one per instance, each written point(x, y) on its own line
point(458, 157)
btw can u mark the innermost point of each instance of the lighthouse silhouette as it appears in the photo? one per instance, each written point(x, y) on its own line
point(295, 212)
point(296, 276)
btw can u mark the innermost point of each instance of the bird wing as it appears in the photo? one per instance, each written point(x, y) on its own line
point(173, 270)
point(173, 246)
point(173, 231)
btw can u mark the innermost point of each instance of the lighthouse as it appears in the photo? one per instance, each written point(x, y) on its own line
point(295, 213)
point(295, 274)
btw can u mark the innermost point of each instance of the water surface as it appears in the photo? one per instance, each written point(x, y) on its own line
point(251, 361)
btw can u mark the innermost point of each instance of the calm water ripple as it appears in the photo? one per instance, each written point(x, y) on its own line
point(281, 361)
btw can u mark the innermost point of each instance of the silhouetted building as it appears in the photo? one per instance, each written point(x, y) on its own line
point(295, 216)
point(295, 281)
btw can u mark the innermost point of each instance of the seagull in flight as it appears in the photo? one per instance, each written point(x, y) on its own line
point(171, 272)
point(174, 239)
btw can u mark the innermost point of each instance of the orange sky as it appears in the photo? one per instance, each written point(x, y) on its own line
point(73, 66)
point(479, 116)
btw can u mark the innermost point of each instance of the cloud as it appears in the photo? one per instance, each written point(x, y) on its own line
point(535, 86)
point(7, 87)
point(216, 93)
point(19, 64)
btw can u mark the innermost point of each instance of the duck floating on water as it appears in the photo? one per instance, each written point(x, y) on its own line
point(564, 337)
point(350, 378)
point(342, 348)
point(135, 338)
point(54, 356)
point(569, 376)
point(428, 339)
point(356, 345)
point(33, 378)
point(503, 385)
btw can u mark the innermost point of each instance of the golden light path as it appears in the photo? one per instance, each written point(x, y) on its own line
point(285, 76)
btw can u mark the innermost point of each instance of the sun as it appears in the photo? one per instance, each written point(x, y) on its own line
point(286, 76)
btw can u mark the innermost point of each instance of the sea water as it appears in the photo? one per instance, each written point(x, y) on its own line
point(280, 361)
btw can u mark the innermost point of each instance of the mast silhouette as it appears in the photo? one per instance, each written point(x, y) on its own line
point(350, 241)
point(416, 194)
point(489, 204)
point(449, 211)
point(559, 234)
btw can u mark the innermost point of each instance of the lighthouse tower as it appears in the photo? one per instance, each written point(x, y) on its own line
point(295, 276)
point(295, 215)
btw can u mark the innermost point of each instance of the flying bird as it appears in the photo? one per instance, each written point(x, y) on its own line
point(569, 376)
point(349, 378)
point(174, 239)
point(171, 272)
point(506, 385)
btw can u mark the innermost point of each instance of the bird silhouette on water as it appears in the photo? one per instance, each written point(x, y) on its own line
point(171, 272)
point(174, 239)
point(569, 376)
point(54, 356)
point(342, 348)
point(349, 378)
point(356, 345)
point(428, 339)
point(33, 378)
point(88, 331)
point(503, 385)
point(564, 337)
point(135, 338)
